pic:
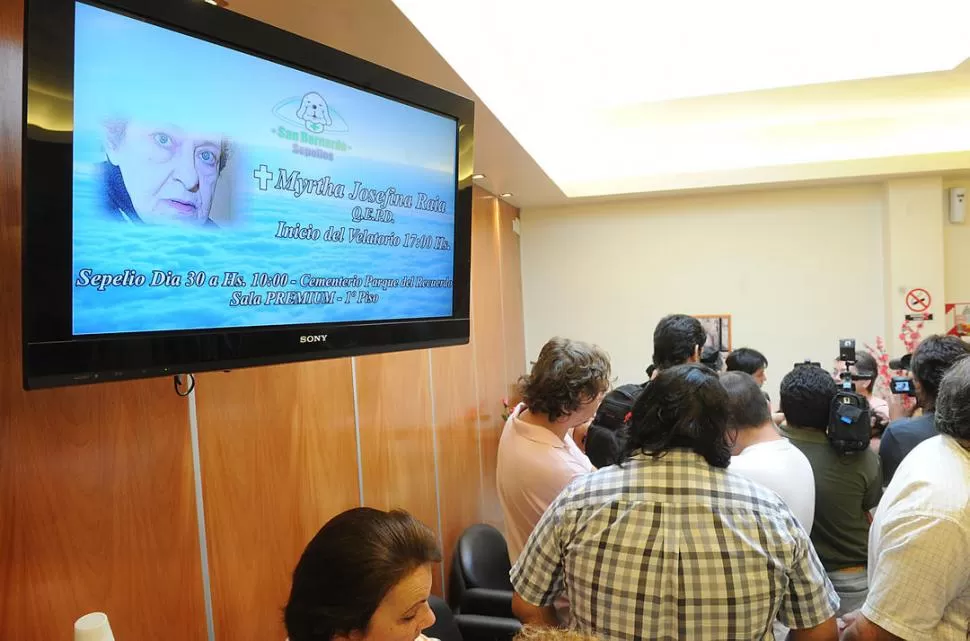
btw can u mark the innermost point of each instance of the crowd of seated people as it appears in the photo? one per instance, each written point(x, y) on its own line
point(700, 513)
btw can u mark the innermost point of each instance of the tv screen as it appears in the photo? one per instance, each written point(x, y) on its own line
point(227, 194)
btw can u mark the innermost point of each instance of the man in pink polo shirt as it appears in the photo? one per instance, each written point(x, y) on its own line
point(537, 456)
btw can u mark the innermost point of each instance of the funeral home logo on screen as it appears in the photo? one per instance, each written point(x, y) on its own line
point(311, 123)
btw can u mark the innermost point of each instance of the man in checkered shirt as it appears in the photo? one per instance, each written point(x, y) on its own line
point(670, 544)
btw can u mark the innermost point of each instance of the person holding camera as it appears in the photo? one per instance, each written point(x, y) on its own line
point(931, 360)
point(919, 569)
point(847, 485)
point(864, 373)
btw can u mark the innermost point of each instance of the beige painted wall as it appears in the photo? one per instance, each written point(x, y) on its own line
point(797, 269)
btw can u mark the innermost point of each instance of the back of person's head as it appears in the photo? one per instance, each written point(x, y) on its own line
point(604, 447)
point(806, 397)
point(567, 375)
point(676, 339)
point(685, 407)
point(350, 566)
point(953, 401)
point(711, 357)
point(747, 360)
point(747, 407)
point(609, 429)
point(933, 357)
point(546, 633)
point(865, 365)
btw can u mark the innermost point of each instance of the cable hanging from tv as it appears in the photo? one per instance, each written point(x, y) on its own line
point(184, 384)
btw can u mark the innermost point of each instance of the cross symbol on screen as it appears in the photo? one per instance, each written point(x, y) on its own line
point(264, 176)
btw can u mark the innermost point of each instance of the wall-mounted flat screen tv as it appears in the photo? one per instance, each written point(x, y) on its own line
point(205, 192)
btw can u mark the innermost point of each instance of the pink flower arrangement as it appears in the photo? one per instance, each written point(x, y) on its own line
point(910, 336)
point(879, 353)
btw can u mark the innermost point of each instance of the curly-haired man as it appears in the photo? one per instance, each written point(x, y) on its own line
point(537, 457)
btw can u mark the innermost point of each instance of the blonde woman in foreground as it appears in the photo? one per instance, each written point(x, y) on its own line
point(543, 633)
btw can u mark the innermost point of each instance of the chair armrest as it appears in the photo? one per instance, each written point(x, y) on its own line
point(485, 601)
point(475, 627)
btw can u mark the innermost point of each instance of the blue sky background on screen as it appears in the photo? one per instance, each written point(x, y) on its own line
point(126, 68)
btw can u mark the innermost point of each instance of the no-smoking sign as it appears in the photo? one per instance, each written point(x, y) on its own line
point(918, 299)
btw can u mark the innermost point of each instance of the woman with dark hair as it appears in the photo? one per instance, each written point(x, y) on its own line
point(365, 576)
point(689, 411)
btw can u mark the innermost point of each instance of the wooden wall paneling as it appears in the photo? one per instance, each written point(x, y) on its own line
point(512, 298)
point(279, 459)
point(97, 509)
point(488, 340)
point(97, 504)
point(456, 430)
point(397, 435)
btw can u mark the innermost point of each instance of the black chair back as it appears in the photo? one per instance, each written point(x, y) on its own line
point(445, 628)
point(483, 557)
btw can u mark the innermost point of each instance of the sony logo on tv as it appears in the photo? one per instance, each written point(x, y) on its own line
point(314, 338)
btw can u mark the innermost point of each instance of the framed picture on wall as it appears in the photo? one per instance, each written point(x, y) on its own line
point(718, 329)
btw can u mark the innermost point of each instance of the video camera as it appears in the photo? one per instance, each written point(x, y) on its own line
point(850, 422)
point(902, 384)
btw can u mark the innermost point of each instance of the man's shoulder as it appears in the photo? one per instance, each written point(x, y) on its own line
point(743, 489)
point(936, 461)
point(915, 426)
point(811, 443)
point(782, 455)
point(867, 460)
point(872, 463)
point(720, 486)
point(909, 421)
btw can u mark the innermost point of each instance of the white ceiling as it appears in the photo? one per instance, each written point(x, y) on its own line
point(629, 98)
point(624, 96)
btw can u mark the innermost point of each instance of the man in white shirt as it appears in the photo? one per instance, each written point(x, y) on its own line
point(537, 457)
point(762, 454)
point(919, 568)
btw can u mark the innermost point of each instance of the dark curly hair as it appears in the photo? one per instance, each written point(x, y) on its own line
point(348, 568)
point(567, 374)
point(685, 407)
point(806, 397)
point(932, 359)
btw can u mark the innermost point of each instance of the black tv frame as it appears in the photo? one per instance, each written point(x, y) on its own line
point(53, 357)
